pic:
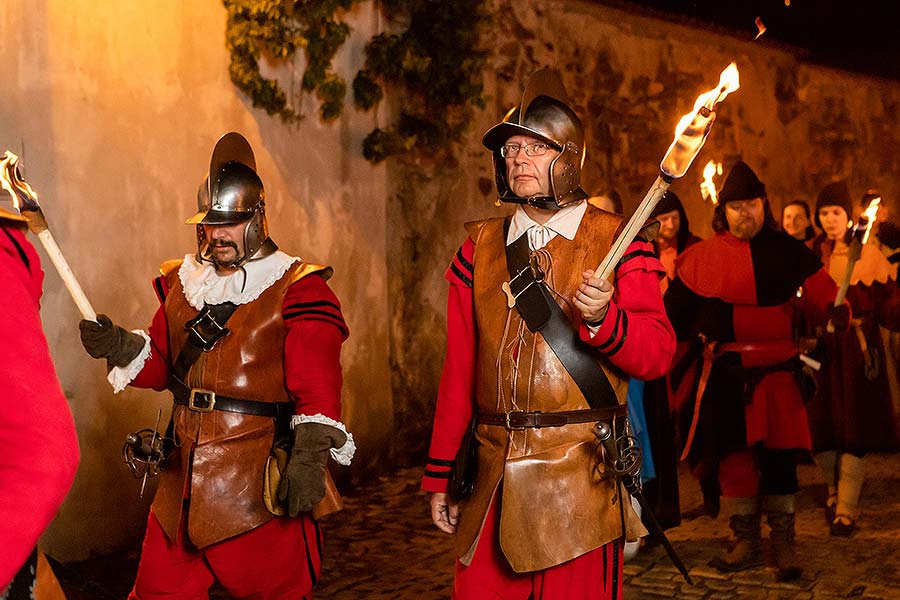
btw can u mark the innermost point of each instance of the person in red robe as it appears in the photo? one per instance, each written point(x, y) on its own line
point(736, 298)
point(39, 444)
point(853, 413)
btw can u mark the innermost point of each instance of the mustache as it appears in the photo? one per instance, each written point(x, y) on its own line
point(222, 244)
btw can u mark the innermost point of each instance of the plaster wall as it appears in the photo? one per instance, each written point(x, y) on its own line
point(115, 108)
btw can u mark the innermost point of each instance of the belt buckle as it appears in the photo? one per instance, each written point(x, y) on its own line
point(201, 400)
point(509, 426)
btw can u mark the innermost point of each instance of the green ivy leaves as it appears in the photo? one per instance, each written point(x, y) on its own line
point(436, 61)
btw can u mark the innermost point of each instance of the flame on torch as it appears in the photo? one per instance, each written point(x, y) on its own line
point(707, 186)
point(870, 214)
point(23, 195)
point(690, 133)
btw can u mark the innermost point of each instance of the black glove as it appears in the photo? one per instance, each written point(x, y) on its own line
point(102, 339)
point(303, 481)
point(839, 316)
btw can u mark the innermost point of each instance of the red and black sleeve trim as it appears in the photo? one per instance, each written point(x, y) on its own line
point(322, 310)
point(635, 254)
point(617, 337)
point(161, 289)
point(462, 268)
point(438, 468)
point(623, 322)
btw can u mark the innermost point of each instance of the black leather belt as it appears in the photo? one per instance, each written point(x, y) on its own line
point(518, 419)
point(200, 400)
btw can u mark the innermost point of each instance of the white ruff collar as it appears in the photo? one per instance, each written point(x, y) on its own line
point(203, 285)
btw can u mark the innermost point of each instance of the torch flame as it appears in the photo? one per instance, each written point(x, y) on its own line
point(708, 186)
point(870, 214)
point(691, 131)
point(729, 81)
point(23, 195)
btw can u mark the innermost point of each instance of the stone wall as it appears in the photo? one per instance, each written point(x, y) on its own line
point(631, 77)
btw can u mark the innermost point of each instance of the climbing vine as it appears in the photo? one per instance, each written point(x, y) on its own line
point(435, 64)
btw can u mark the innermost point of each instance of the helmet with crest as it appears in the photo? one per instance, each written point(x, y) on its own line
point(544, 113)
point(233, 193)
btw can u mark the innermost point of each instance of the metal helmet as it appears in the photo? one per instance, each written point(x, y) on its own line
point(233, 193)
point(544, 113)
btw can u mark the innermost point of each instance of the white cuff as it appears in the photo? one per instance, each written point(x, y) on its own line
point(119, 377)
point(342, 455)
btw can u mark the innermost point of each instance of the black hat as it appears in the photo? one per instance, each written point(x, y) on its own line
point(834, 194)
point(741, 184)
point(670, 201)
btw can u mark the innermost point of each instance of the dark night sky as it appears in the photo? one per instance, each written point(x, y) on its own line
point(859, 35)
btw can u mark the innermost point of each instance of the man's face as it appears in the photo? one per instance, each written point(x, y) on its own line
point(226, 244)
point(745, 217)
point(794, 221)
point(834, 221)
point(529, 176)
point(669, 224)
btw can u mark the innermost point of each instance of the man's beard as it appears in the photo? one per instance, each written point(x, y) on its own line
point(223, 244)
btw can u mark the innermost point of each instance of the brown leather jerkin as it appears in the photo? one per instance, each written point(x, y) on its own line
point(220, 457)
point(555, 506)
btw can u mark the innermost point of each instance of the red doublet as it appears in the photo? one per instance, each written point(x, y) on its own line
point(37, 434)
point(169, 569)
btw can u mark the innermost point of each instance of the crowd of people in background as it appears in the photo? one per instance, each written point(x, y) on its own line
point(848, 407)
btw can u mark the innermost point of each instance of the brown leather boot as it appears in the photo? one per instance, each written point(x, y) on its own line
point(783, 549)
point(746, 550)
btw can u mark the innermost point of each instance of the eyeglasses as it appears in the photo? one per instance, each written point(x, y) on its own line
point(535, 149)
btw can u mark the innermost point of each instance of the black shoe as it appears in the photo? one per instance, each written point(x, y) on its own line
point(842, 526)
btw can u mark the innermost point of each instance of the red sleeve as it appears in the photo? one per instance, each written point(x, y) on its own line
point(456, 394)
point(39, 445)
point(312, 348)
point(155, 373)
point(635, 334)
point(819, 291)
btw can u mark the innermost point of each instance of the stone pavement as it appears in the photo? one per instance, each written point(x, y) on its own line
point(383, 546)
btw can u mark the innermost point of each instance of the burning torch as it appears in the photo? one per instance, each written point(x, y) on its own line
point(25, 199)
point(690, 134)
point(858, 238)
point(708, 186)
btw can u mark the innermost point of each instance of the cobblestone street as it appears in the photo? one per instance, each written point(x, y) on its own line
point(383, 546)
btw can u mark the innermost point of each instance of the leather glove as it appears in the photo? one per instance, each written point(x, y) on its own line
point(839, 316)
point(303, 481)
point(103, 339)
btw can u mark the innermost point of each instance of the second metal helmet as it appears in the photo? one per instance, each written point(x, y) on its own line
point(233, 193)
point(544, 113)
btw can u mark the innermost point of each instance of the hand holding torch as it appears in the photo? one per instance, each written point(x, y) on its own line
point(25, 199)
point(858, 238)
point(690, 134)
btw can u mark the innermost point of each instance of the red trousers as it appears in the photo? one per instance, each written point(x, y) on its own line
point(279, 560)
point(596, 575)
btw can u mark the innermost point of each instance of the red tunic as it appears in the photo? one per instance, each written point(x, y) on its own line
point(746, 294)
point(37, 434)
